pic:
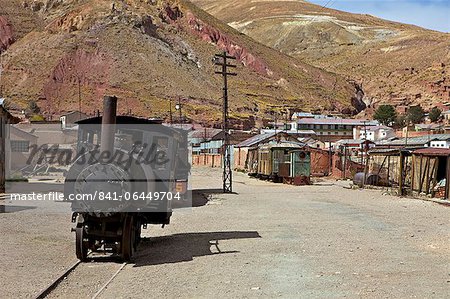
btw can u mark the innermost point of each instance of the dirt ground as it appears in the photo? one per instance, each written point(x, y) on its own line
point(267, 240)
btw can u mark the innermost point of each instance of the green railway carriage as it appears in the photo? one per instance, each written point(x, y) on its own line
point(284, 162)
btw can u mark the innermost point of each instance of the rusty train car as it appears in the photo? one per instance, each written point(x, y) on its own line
point(286, 162)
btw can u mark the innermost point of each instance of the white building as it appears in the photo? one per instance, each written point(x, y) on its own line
point(373, 133)
point(331, 129)
point(440, 143)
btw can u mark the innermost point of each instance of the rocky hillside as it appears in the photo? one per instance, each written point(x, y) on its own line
point(148, 52)
point(393, 62)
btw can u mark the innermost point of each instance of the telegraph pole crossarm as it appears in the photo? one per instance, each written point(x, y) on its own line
point(221, 61)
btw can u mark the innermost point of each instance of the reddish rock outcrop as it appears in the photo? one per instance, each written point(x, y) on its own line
point(208, 33)
point(170, 14)
point(225, 43)
point(6, 33)
point(90, 70)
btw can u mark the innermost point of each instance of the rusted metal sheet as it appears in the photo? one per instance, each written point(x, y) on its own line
point(431, 151)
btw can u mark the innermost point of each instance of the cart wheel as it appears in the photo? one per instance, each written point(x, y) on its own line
point(128, 238)
point(80, 244)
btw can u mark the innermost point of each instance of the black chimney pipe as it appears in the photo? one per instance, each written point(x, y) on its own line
point(108, 124)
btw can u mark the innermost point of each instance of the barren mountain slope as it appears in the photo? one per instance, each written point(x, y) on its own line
point(148, 52)
point(395, 63)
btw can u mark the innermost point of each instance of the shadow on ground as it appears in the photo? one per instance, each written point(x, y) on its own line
point(184, 247)
point(13, 209)
point(200, 197)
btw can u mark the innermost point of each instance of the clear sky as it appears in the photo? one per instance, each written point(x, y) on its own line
point(431, 14)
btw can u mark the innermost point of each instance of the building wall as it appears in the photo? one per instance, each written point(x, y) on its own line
point(325, 130)
point(240, 158)
point(344, 168)
point(19, 159)
point(440, 144)
point(209, 160)
point(211, 147)
point(320, 162)
point(374, 135)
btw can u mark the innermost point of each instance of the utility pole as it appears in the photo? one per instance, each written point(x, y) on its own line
point(178, 107)
point(407, 133)
point(221, 60)
point(275, 122)
point(365, 154)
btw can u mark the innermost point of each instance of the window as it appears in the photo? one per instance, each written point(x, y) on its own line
point(20, 146)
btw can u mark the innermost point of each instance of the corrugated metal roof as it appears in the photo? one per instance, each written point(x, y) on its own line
point(206, 133)
point(421, 140)
point(284, 144)
point(432, 151)
point(255, 140)
point(429, 126)
point(337, 121)
point(353, 141)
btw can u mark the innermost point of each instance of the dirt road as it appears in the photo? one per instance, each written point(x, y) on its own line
point(268, 240)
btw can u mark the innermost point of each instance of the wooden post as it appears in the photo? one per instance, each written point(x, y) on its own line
point(420, 174)
point(388, 169)
point(447, 179)
point(366, 169)
point(427, 182)
point(434, 175)
point(400, 174)
point(345, 161)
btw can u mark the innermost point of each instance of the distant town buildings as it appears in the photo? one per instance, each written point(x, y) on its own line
point(373, 133)
point(332, 129)
point(69, 119)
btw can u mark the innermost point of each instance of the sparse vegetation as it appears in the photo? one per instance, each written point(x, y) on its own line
point(33, 107)
point(37, 117)
point(386, 114)
point(415, 115)
point(435, 114)
point(400, 121)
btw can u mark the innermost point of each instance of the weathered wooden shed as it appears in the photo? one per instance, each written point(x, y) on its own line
point(392, 167)
point(431, 171)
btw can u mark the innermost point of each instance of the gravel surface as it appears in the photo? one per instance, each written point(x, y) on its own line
point(268, 240)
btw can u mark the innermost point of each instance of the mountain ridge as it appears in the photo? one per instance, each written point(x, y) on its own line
point(149, 53)
point(393, 62)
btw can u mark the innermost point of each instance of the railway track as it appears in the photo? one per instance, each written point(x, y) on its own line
point(83, 280)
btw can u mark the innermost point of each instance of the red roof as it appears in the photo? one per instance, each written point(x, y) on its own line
point(433, 151)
